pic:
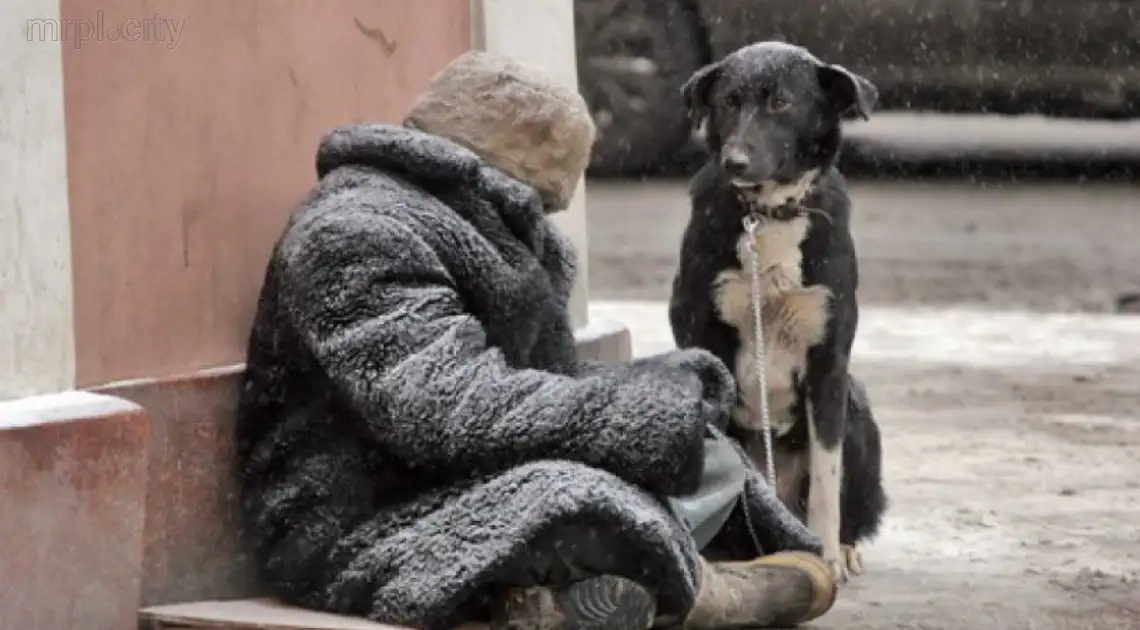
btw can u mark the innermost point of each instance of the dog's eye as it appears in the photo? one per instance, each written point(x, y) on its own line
point(779, 103)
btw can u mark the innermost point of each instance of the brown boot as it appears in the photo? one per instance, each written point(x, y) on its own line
point(781, 590)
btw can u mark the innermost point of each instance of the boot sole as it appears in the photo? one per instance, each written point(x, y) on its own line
point(825, 587)
point(600, 603)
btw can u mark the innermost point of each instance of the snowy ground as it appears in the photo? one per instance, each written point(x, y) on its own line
point(1008, 399)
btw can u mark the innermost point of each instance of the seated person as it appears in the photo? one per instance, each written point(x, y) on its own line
point(419, 443)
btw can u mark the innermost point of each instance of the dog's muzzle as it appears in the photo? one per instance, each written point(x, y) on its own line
point(735, 163)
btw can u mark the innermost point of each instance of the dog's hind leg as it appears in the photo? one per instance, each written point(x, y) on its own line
point(864, 500)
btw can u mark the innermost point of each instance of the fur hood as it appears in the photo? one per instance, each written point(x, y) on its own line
point(472, 188)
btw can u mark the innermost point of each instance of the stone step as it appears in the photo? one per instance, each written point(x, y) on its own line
point(254, 614)
point(73, 470)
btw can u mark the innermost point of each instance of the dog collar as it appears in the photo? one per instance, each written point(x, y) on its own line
point(786, 212)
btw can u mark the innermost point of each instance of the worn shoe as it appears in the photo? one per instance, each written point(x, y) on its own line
point(600, 603)
point(776, 591)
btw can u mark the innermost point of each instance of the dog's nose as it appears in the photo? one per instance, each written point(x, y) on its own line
point(734, 162)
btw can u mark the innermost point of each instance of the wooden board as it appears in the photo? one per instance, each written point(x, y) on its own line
point(254, 614)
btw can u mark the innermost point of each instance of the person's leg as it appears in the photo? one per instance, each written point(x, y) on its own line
point(568, 574)
point(777, 590)
point(722, 485)
point(780, 590)
point(567, 584)
point(568, 580)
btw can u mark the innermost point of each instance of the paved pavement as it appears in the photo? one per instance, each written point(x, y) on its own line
point(1006, 390)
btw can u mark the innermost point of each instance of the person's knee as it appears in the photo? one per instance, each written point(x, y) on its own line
point(569, 552)
point(570, 487)
point(580, 541)
point(572, 545)
point(557, 470)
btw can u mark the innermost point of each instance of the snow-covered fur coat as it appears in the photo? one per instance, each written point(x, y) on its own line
point(414, 414)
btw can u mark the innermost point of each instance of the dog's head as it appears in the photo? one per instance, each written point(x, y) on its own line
point(771, 112)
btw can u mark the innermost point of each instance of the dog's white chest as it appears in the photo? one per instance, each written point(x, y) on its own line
point(794, 318)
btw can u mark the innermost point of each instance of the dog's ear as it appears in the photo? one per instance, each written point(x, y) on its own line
point(850, 93)
point(696, 92)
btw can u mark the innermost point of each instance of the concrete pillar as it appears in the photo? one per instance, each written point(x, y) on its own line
point(541, 32)
point(37, 336)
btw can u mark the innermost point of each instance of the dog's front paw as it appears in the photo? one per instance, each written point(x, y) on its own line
point(844, 563)
point(852, 558)
point(800, 315)
point(837, 565)
point(732, 296)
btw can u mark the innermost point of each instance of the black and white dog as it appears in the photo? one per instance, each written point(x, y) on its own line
point(771, 116)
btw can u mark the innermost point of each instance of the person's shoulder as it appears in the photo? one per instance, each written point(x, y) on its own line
point(361, 201)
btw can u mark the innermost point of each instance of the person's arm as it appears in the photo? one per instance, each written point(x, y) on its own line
point(378, 311)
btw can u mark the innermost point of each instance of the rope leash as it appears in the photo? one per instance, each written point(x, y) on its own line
point(752, 224)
